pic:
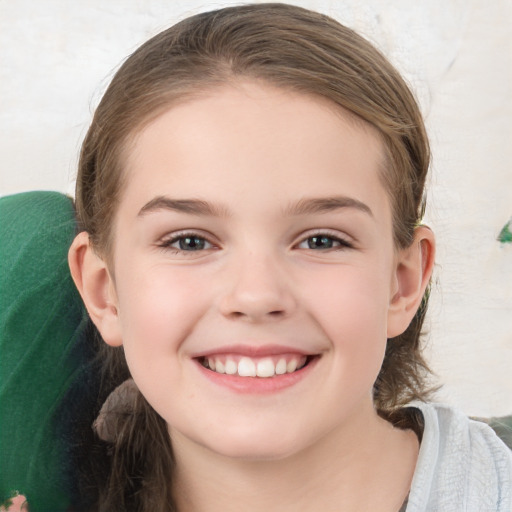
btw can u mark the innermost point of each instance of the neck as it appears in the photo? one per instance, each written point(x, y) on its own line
point(367, 465)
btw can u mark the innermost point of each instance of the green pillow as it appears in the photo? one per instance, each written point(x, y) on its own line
point(41, 317)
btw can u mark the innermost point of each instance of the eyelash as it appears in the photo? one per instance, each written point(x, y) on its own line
point(338, 243)
point(342, 243)
point(167, 244)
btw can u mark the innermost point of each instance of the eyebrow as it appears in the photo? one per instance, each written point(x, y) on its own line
point(302, 207)
point(190, 206)
point(326, 204)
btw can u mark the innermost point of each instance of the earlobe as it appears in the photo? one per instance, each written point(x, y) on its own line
point(94, 283)
point(412, 274)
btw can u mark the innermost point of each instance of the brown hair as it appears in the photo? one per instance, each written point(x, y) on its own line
point(288, 47)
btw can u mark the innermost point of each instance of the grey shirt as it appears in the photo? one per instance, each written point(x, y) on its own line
point(462, 465)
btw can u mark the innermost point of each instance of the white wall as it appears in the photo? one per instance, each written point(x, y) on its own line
point(56, 58)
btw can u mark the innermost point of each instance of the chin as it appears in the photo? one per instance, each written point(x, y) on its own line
point(261, 445)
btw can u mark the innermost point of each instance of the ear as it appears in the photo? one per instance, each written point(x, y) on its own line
point(413, 270)
point(96, 286)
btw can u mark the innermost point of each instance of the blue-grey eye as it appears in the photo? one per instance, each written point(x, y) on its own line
point(321, 242)
point(191, 243)
point(324, 242)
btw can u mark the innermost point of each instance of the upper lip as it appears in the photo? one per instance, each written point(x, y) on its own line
point(253, 351)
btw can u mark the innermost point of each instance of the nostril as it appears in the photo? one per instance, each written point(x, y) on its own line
point(271, 314)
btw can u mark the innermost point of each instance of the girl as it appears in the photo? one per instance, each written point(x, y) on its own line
point(250, 195)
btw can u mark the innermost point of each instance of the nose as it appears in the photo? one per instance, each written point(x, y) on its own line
point(256, 288)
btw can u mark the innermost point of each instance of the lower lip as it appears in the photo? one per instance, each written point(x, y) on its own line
point(258, 385)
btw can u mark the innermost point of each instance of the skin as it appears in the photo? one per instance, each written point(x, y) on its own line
point(16, 504)
point(256, 155)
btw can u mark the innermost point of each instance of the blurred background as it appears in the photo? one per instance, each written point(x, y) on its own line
point(56, 58)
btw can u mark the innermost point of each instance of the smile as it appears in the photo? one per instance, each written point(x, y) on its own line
point(263, 367)
point(256, 371)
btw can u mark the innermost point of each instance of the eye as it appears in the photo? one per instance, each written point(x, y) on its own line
point(325, 242)
point(187, 243)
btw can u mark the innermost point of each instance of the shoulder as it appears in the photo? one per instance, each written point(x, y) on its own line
point(462, 465)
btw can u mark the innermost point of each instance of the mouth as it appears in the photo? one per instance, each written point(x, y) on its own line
point(256, 367)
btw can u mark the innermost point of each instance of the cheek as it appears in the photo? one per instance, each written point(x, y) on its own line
point(351, 308)
point(158, 308)
point(354, 299)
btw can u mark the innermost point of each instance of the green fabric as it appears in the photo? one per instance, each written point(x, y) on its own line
point(503, 427)
point(41, 316)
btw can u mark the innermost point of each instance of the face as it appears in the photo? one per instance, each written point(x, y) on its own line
point(254, 270)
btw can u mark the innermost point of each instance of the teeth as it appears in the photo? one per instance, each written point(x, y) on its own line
point(231, 367)
point(281, 367)
point(265, 368)
point(291, 366)
point(247, 367)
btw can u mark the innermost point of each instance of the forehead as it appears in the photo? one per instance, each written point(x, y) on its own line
point(247, 138)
